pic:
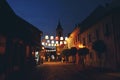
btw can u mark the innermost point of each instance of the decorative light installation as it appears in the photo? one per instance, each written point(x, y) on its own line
point(46, 44)
point(66, 38)
point(61, 38)
point(61, 42)
point(65, 42)
point(54, 41)
point(43, 43)
point(46, 37)
point(49, 44)
point(56, 38)
point(48, 41)
point(51, 37)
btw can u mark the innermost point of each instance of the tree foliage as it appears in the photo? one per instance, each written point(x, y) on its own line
point(66, 52)
point(73, 51)
point(99, 46)
point(83, 51)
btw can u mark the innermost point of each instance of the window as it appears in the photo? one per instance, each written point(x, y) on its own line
point(91, 55)
point(78, 37)
point(84, 43)
point(89, 38)
point(107, 30)
point(2, 44)
point(97, 34)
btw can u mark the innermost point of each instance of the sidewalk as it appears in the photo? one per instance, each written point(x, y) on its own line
point(103, 73)
point(114, 74)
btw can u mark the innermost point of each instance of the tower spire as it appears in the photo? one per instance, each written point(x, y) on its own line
point(59, 29)
point(59, 26)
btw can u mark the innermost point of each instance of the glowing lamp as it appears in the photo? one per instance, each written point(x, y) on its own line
point(51, 37)
point(61, 42)
point(56, 38)
point(66, 38)
point(56, 42)
point(46, 37)
point(61, 38)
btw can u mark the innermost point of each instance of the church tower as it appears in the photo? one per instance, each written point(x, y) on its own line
point(59, 33)
point(59, 30)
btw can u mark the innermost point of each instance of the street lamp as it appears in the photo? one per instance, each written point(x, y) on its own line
point(81, 46)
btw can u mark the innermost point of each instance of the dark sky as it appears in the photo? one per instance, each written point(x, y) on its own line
point(45, 14)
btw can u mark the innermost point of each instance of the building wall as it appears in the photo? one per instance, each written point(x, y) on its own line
point(106, 29)
point(98, 31)
point(73, 38)
point(2, 44)
point(73, 41)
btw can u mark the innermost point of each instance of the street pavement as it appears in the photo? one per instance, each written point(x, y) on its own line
point(69, 71)
point(63, 71)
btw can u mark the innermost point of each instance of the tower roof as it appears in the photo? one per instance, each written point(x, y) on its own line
point(59, 27)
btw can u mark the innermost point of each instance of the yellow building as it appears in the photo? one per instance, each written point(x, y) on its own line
point(102, 24)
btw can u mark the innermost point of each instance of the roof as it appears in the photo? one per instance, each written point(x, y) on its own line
point(11, 24)
point(98, 14)
point(59, 27)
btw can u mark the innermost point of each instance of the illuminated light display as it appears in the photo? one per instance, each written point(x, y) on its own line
point(49, 44)
point(43, 48)
point(52, 44)
point(51, 37)
point(61, 42)
point(56, 38)
point(43, 43)
point(48, 41)
point(61, 38)
point(65, 42)
point(54, 41)
point(66, 38)
point(46, 44)
point(46, 37)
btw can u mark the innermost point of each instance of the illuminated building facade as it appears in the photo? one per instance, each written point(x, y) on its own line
point(102, 24)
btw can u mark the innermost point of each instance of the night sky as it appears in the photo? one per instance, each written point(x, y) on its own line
point(45, 14)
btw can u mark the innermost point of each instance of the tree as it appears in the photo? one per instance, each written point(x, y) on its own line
point(100, 47)
point(66, 53)
point(83, 52)
point(73, 52)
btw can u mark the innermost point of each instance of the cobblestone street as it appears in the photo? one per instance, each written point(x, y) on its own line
point(63, 71)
